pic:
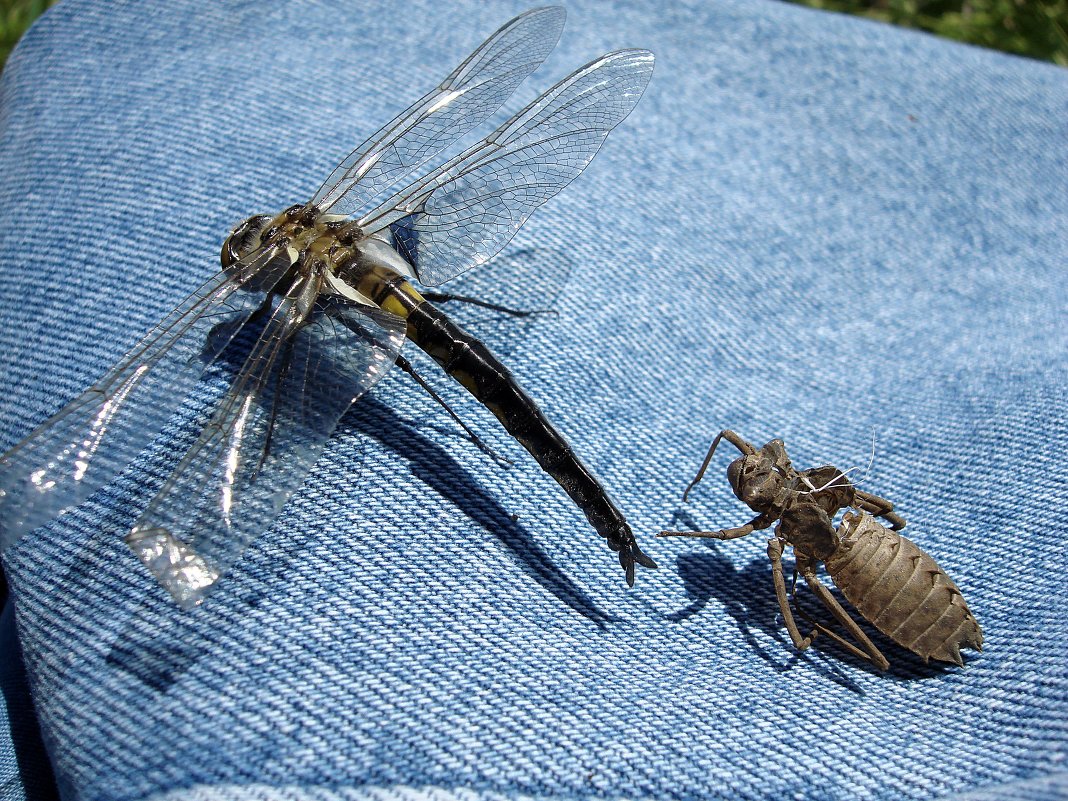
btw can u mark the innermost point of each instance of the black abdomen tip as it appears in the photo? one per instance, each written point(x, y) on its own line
point(628, 555)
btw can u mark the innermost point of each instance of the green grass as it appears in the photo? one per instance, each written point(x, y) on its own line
point(1035, 28)
point(15, 18)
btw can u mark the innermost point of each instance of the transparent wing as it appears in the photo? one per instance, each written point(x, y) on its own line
point(460, 215)
point(475, 89)
point(301, 375)
point(95, 436)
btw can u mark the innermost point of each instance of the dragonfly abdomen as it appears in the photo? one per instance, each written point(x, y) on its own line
point(471, 363)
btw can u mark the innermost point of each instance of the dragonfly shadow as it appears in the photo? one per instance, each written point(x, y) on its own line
point(433, 465)
point(748, 596)
point(159, 644)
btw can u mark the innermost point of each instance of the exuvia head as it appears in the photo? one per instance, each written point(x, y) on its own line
point(756, 481)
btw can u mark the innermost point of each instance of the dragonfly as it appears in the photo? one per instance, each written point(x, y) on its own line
point(319, 299)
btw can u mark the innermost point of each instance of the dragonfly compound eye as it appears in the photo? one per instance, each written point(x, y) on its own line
point(243, 240)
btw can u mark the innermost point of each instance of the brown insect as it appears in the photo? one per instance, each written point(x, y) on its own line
point(896, 586)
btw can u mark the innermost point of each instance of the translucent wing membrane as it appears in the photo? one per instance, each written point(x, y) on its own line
point(475, 89)
point(305, 369)
point(464, 212)
point(95, 436)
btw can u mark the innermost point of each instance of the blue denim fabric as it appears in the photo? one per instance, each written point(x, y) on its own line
point(812, 227)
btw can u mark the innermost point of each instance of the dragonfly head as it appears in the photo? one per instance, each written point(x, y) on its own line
point(243, 239)
point(264, 231)
point(257, 252)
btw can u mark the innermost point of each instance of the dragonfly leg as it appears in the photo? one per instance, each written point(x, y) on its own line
point(407, 367)
point(757, 523)
point(869, 651)
point(445, 297)
point(880, 507)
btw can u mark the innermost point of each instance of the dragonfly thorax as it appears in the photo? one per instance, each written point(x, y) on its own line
point(300, 229)
point(296, 241)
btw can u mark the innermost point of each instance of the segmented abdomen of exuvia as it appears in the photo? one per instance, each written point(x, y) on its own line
point(902, 591)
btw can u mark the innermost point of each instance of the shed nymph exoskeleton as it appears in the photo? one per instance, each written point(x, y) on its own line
point(888, 579)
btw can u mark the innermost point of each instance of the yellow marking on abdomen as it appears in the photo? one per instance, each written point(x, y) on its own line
point(394, 305)
point(389, 290)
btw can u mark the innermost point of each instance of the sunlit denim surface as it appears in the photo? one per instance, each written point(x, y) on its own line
point(812, 227)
